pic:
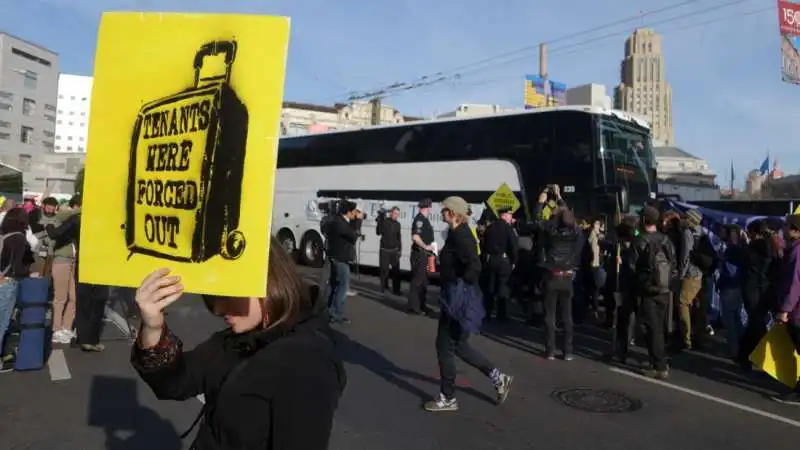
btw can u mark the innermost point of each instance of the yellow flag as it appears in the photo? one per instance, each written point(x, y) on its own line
point(776, 356)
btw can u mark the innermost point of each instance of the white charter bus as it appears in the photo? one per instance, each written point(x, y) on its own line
point(595, 154)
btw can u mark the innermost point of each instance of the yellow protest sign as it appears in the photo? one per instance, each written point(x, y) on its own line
point(776, 356)
point(796, 211)
point(180, 172)
point(503, 198)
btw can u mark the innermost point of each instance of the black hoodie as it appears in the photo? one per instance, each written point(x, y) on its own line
point(277, 388)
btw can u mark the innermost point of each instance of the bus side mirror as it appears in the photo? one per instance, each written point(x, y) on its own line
point(615, 194)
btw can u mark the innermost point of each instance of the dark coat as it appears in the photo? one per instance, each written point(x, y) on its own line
point(281, 386)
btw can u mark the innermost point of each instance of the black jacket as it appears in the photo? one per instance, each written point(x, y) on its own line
point(389, 231)
point(341, 238)
point(283, 396)
point(68, 232)
point(561, 246)
point(459, 257)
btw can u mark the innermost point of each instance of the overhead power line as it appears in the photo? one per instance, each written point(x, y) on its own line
point(443, 76)
point(500, 78)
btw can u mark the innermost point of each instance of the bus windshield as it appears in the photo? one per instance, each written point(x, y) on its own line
point(626, 159)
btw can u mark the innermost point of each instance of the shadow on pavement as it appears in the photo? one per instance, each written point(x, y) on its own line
point(356, 353)
point(114, 407)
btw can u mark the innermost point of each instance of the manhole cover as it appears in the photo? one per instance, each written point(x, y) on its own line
point(597, 400)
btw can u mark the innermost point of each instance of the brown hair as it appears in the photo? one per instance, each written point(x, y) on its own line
point(16, 221)
point(288, 299)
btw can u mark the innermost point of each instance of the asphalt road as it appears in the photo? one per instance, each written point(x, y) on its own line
point(95, 401)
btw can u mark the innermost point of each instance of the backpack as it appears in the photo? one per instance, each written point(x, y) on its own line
point(704, 256)
point(658, 269)
point(5, 271)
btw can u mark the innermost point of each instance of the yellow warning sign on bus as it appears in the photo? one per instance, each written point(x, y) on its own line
point(503, 198)
point(184, 130)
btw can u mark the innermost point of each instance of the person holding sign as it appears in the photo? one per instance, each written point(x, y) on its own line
point(789, 296)
point(274, 368)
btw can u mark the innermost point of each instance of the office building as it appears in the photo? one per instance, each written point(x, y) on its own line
point(72, 115)
point(643, 88)
point(28, 94)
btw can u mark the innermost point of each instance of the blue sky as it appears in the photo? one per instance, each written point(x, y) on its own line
point(728, 99)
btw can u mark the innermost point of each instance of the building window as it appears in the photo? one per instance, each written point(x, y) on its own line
point(59, 122)
point(28, 106)
point(48, 144)
point(72, 98)
point(5, 107)
point(60, 111)
point(5, 136)
point(26, 135)
point(83, 124)
point(5, 124)
point(48, 133)
point(25, 162)
point(49, 107)
point(83, 114)
point(69, 123)
point(69, 138)
point(6, 95)
point(72, 113)
point(50, 118)
point(81, 149)
point(61, 97)
point(58, 147)
point(29, 57)
point(83, 99)
point(69, 149)
point(30, 79)
point(81, 139)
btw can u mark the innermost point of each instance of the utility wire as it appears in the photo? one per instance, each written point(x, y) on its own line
point(441, 75)
point(403, 87)
point(570, 51)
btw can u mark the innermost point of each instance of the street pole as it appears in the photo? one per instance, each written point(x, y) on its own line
point(543, 70)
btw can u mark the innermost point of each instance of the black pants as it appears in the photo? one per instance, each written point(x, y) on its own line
point(389, 262)
point(496, 274)
point(558, 290)
point(653, 318)
point(89, 311)
point(418, 288)
point(756, 329)
point(452, 341)
point(627, 321)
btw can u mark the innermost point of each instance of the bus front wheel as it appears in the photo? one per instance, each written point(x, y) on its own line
point(286, 239)
point(312, 252)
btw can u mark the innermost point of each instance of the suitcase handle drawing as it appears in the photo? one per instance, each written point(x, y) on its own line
point(213, 49)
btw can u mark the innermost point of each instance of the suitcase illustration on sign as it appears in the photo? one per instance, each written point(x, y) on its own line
point(186, 168)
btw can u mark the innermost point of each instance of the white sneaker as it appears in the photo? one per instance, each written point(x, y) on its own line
point(61, 337)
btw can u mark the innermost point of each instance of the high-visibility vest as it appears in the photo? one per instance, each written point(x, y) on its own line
point(477, 239)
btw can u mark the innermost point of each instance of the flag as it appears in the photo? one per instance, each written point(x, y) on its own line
point(764, 167)
point(733, 175)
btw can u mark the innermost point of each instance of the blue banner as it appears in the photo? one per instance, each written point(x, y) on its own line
point(714, 219)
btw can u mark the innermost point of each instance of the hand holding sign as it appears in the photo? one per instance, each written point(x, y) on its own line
point(156, 293)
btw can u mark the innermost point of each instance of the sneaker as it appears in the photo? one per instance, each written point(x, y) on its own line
point(503, 388)
point(5, 368)
point(792, 398)
point(351, 293)
point(568, 357)
point(441, 403)
point(62, 337)
point(93, 348)
point(656, 374)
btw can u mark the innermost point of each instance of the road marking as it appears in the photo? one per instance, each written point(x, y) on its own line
point(709, 397)
point(57, 364)
point(201, 398)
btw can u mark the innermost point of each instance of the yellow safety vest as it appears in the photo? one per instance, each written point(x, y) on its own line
point(477, 239)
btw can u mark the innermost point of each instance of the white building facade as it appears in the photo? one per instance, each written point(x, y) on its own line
point(473, 109)
point(72, 115)
point(589, 94)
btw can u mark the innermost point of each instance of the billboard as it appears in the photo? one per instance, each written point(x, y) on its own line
point(535, 96)
point(789, 21)
point(558, 93)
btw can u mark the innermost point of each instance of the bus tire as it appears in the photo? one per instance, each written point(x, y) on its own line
point(287, 241)
point(312, 252)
